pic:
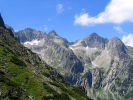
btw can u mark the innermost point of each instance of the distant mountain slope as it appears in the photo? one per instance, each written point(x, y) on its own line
point(56, 52)
point(29, 35)
point(103, 67)
point(24, 76)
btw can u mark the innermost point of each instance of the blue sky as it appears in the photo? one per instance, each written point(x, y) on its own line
point(72, 19)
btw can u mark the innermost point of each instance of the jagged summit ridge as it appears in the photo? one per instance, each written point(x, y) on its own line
point(29, 34)
point(93, 41)
point(94, 35)
point(52, 33)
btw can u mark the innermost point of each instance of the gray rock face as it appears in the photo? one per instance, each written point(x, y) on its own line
point(93, 41)
point(86, 80)
point(52, 49)
point(52, 34)
point(54, 37)
point(12, 32)
point(29, 35)
point(103, 67)
point(117, 48)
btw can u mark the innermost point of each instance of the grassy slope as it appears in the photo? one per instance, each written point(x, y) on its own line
point(24, 76)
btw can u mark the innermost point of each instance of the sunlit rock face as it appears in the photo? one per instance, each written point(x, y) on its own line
point(53, 49)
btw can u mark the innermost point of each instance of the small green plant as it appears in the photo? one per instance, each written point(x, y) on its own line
point(17, 61)
point(62, 96)
point(101, 70)
point(129, 95)
point(46, 74)
point(49, 89)
point(55, 84)
point(78, 90)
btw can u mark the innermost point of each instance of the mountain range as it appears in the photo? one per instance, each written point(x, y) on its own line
point(103, 67)
point(35, 65)
point(24, 76)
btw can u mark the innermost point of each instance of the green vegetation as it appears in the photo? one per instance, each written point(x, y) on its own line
point(102, 70)
point(119, 80)
point(101, 94)
point(20, 76)
point(129, 95)
point(46, 74)
point(17, 61)
point(55, 95)
point(70, 90)
point(62, 96)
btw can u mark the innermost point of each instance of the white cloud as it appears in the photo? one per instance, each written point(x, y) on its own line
point(119, 29)
point(82, 19)
point(117, 11)
point(59, 8)
point(128, 39)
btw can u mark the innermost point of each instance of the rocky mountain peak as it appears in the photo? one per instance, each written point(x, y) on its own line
point(94, 40)
point(29, 34)
point(52, 33)
point(94, 35)
point(29, 30)
point(116, 43)
point(1, 22)
point(116, 47)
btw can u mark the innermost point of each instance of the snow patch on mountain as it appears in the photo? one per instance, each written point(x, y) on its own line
point(33, 42)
